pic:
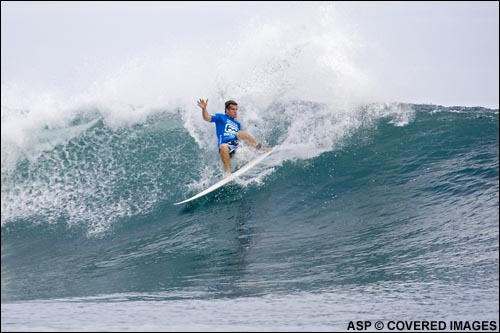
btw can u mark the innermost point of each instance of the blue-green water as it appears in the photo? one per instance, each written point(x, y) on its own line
point(394, 217)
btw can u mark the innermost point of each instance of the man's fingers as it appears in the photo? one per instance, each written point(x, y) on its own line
point(202, 103)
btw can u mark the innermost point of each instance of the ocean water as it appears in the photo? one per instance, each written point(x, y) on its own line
point(398, 221)
point(367, 212)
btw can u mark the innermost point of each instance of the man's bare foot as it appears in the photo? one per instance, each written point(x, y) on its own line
point(263, 148)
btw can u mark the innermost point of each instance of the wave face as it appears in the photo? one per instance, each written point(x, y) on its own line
point(397, 193)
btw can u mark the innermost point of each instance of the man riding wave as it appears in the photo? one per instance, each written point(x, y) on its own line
point(228, 131)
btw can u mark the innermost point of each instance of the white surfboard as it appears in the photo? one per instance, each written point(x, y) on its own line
point(232, 177)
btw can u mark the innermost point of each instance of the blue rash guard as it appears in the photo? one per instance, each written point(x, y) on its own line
point(226, 129)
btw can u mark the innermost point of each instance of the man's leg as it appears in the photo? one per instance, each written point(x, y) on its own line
point(250, 140)
point(224, 156)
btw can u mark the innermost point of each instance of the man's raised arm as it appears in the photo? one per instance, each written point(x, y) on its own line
point(203, 105)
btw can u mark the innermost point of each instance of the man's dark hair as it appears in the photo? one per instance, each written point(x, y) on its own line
point(229, 103)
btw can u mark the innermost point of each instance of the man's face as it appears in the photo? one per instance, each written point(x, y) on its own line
point(232, 111)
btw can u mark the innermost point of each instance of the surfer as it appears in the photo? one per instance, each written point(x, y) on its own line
point(228, 131)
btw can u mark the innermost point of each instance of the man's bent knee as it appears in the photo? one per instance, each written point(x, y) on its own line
point(242, 135)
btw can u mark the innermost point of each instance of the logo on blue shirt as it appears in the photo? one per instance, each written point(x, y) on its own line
point(225, 127)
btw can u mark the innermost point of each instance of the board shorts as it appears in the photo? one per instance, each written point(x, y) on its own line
point(232, 145)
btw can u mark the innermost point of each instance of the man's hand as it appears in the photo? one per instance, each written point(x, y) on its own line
point(203, 103)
